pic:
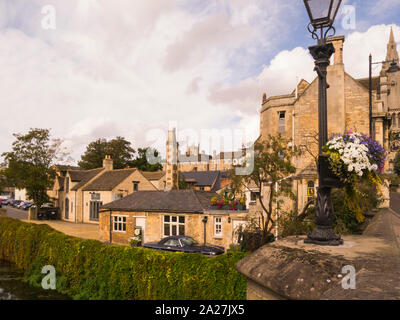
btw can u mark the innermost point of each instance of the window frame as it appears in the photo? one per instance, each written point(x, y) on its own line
point(119, 220)
point(172, 223)
point(218, 225)
point(94, 209)
point(281, 122)
point(310, 187)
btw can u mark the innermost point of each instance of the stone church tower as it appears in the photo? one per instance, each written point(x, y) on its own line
point(295, 115)
point(387, 101)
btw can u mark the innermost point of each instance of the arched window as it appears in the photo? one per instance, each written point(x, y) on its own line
point(66, 208)
point(67, 185)
point(310, 190)
point(394, 120)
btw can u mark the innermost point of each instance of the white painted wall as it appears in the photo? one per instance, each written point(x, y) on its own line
point(20, 194)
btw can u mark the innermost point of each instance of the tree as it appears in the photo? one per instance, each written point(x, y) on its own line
point(142, 160)
point(119, 149)
point(310, 146)
point(272, 165)
point(28, 165)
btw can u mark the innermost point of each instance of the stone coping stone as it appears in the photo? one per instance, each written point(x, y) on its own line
point(291, 269)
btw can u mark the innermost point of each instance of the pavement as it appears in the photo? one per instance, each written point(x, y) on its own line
point(292, 269)
point(80, 230)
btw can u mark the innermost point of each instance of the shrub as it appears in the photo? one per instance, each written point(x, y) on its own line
point(292, 224)
point(89, 269)
point(346, 208)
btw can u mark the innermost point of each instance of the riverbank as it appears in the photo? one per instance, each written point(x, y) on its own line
point(89, 269)
point(12, 286)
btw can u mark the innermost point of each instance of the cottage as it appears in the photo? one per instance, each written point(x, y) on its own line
point(80, 193)
point(159, 214)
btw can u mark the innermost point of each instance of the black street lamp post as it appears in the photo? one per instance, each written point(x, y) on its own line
point(322, 15)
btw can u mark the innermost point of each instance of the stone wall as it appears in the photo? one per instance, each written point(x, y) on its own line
point(290, 269)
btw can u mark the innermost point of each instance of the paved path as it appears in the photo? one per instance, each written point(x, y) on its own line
point(81, 230)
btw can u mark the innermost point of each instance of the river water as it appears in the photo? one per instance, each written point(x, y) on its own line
point(13, 288)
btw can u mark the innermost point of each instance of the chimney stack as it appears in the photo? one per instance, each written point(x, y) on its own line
point(264, 100)
point(108, 163)
point(172, 161)
point(338, 45)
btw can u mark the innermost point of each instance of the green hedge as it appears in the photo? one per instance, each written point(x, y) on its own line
point(89, 269)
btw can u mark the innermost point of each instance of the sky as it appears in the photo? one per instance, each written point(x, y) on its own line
point(89, 69)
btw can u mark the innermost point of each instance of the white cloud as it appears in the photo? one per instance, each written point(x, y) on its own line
point(359, 45)
point(279, 77)
point(125, 67)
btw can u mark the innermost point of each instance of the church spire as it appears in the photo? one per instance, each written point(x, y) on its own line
point(392, 53)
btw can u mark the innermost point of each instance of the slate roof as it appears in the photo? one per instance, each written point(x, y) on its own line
point(83, 176)
point(375, 83)
point(204, 178)
point(177, 201)
point(157, 175)
point(109, 180)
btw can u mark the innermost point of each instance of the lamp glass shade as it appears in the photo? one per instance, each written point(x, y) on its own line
point(322, 13)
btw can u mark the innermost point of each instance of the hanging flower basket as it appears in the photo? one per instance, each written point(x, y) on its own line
point(353, 157)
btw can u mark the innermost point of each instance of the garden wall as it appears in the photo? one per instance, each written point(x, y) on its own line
point(89, 269)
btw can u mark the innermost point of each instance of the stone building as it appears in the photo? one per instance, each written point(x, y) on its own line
point(295, 115)
point(159, 214)
point(79, 194)
point(195, 160)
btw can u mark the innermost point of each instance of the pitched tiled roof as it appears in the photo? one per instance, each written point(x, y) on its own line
point(108, 180)
point(203, 178)
point(188, 201)
point(83, 176)
point(157, 175)
point(375, 83)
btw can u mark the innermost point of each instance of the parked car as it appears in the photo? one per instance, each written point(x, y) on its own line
point(6, 202)
point(19, 205)
point(46, 213)
point(184, 244)
point(26, 205)
point(15, 203)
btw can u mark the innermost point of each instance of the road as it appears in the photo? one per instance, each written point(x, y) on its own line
point(80, 230)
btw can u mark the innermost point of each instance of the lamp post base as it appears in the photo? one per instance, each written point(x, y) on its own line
point(324, 236)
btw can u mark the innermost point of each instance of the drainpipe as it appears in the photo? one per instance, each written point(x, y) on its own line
point(205, 234)
point(293, 115)
point(110, 227)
